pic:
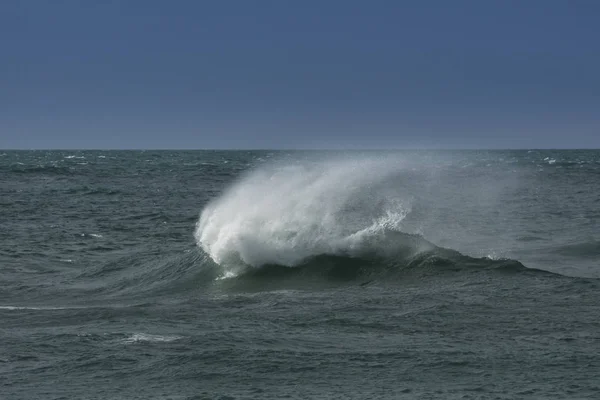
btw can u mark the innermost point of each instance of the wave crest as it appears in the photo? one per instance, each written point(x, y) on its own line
point(286, 214)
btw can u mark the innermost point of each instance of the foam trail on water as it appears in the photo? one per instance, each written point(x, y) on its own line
point(285, 213)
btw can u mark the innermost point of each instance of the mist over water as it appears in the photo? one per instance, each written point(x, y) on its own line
point(285, 213)
point(362, 205)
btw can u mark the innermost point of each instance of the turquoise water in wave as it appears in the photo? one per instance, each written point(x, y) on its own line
point(269, 275)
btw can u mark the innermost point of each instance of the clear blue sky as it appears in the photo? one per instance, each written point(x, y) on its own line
point(299, 74)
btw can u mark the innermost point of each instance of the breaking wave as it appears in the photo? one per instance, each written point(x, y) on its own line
point(285, 214)
point(338, 218)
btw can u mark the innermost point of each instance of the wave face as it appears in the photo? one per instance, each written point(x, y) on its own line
point(336, 217)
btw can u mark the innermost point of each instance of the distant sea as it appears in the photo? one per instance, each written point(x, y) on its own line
point(300, 275)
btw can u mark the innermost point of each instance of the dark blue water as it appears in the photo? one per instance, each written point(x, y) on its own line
point(269, 275)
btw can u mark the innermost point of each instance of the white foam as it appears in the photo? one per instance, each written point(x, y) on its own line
point(283, 214)
point(227, 275)
point(145, 337)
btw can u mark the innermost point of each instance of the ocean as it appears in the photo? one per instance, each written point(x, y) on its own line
point(300, 274)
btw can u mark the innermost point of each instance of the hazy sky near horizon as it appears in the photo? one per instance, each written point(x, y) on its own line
point(299, 74)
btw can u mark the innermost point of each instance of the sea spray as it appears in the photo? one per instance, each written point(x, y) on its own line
point(285, 213)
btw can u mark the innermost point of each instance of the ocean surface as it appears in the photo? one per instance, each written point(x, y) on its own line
point(300, 275)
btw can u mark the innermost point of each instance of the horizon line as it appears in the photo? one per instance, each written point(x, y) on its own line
point(307, 149)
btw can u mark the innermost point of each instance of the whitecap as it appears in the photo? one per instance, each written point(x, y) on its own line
point(13, 308)
point(94, 235)
point(146, 337)
point(331, 207)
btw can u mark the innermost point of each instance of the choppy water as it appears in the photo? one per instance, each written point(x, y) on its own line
point(269, 275)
